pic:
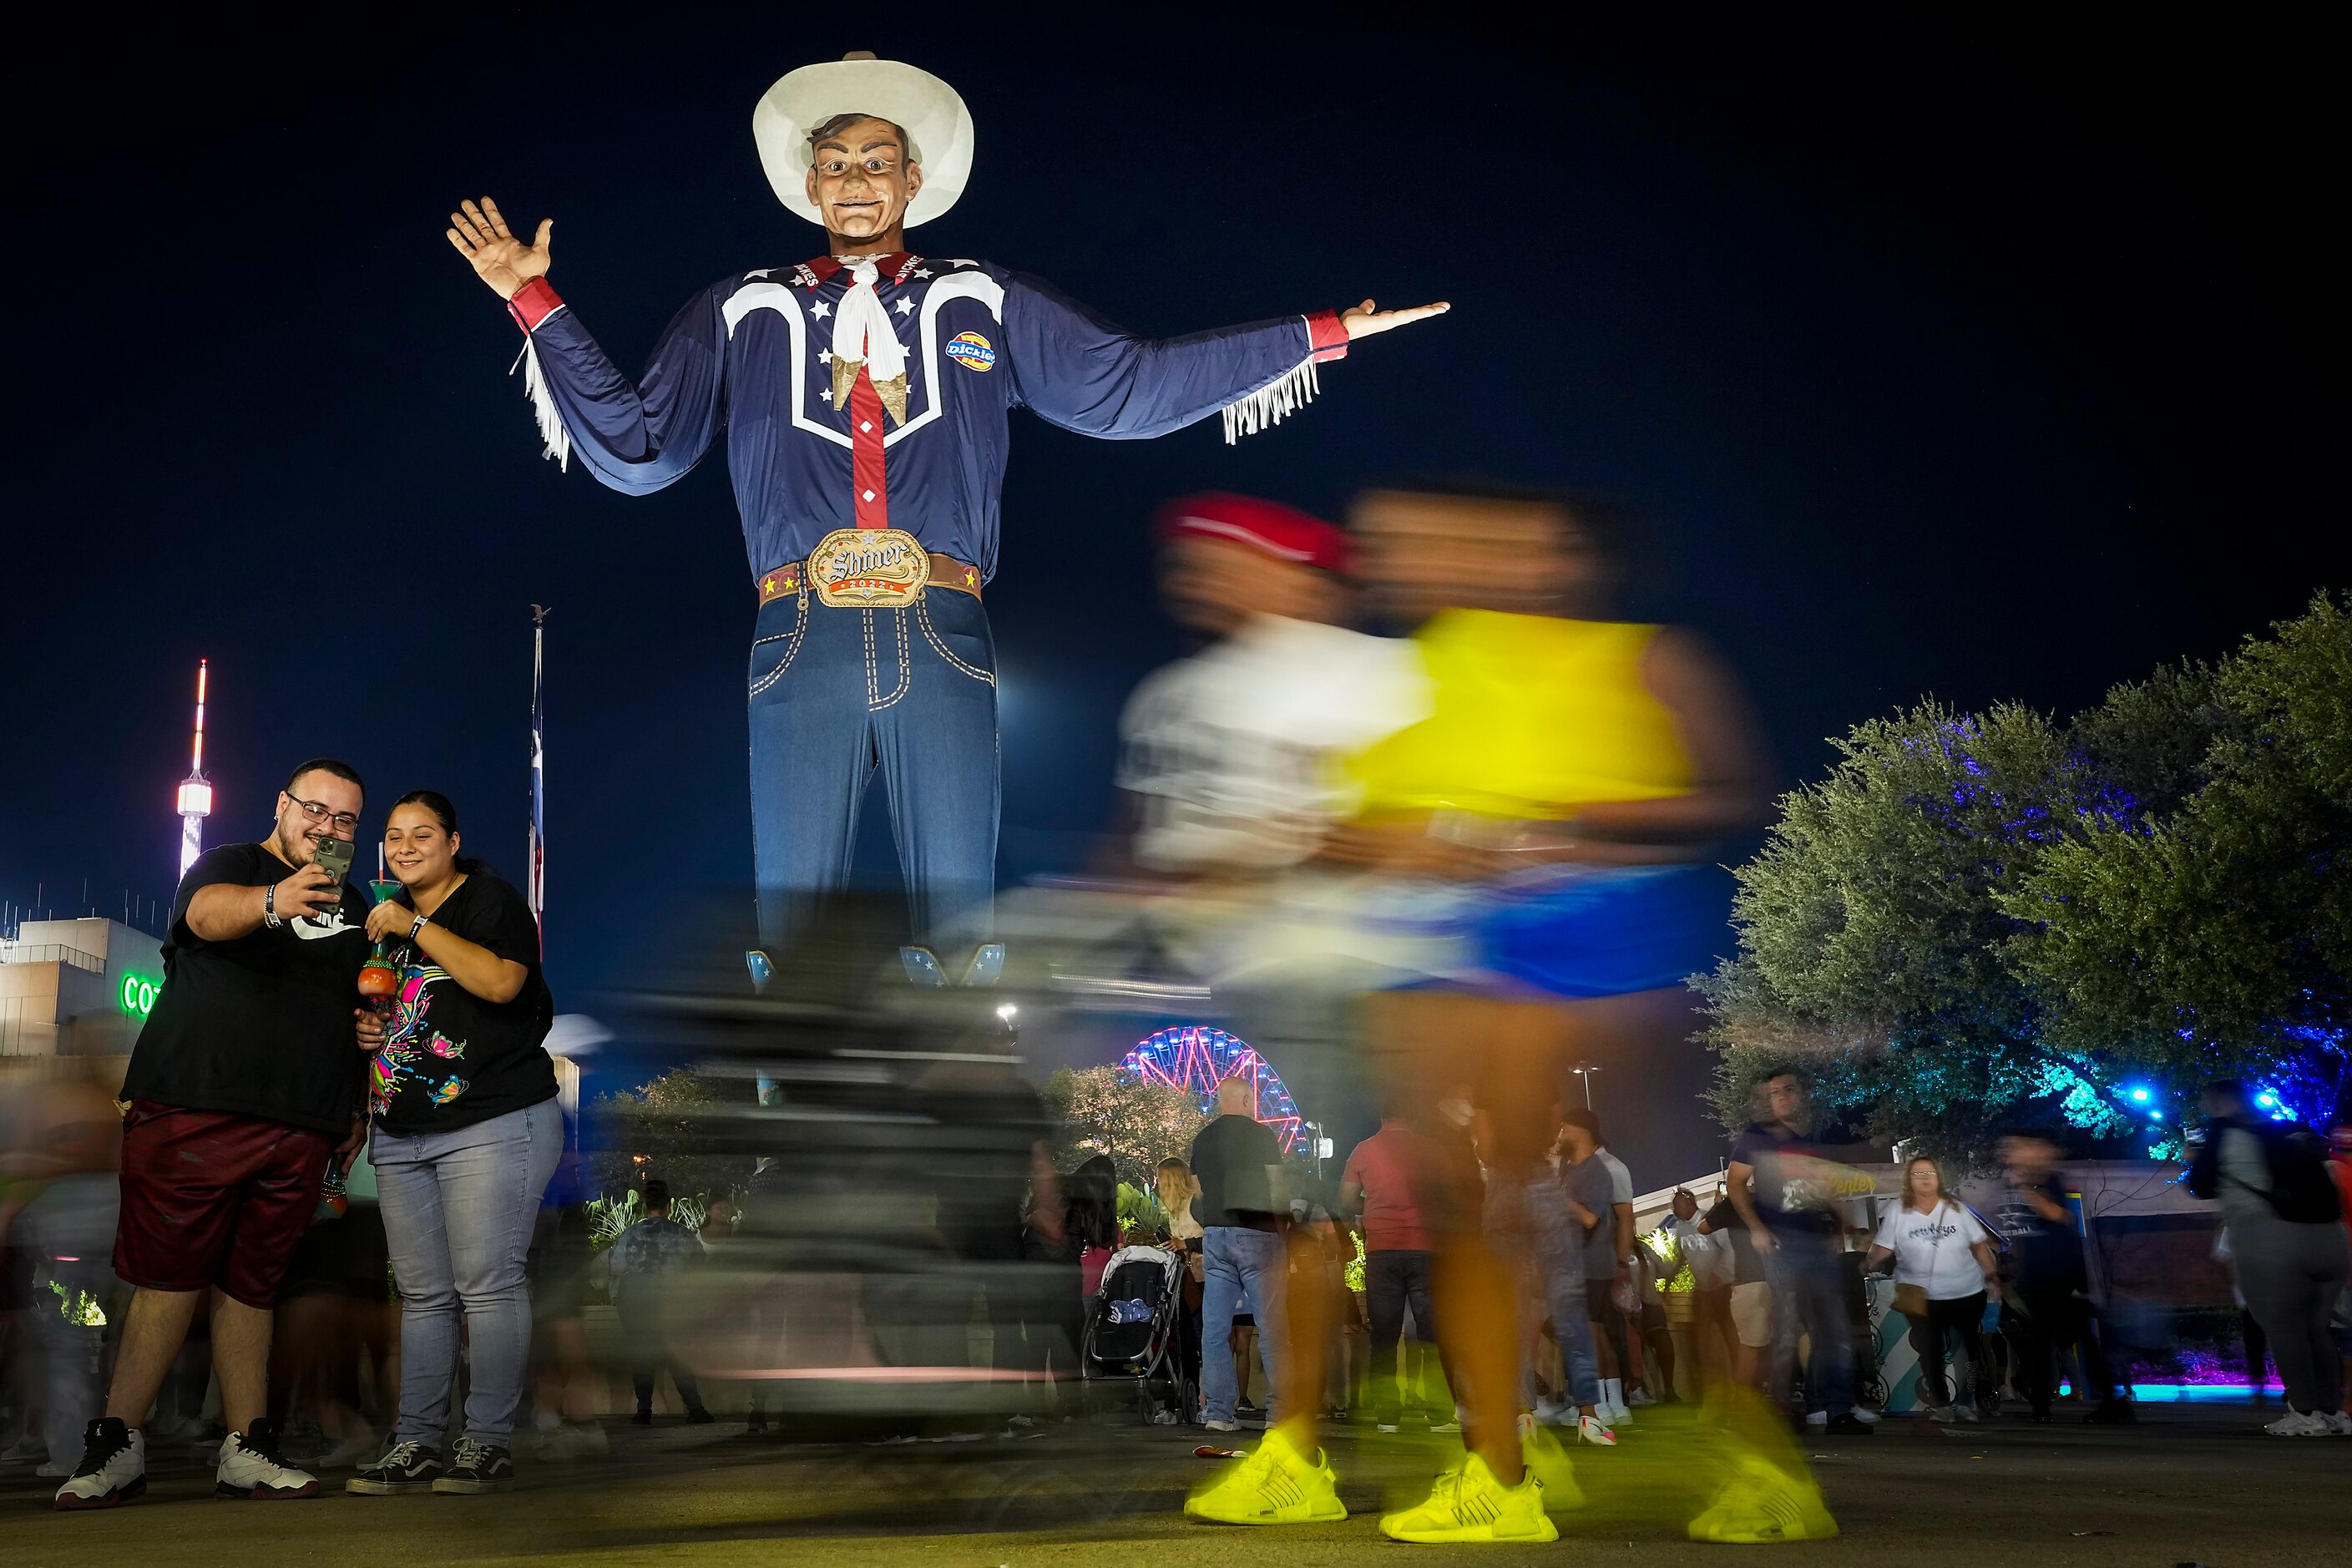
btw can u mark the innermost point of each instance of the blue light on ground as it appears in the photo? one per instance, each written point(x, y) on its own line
point(2139, 1097)
point(2197, 1392)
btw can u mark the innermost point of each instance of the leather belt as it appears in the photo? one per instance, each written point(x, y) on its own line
point(947, 572)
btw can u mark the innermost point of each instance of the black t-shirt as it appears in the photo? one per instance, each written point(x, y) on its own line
point(261, 1025)
point(1747, 1268)
point(1793, 1196)
point(451, 1058)
point(1234, 1158)
point(2044, 1255)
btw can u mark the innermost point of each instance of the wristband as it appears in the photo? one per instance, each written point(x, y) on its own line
point(269, 907)
point(417, 926)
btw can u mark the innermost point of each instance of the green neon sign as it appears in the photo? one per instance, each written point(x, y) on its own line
point(138, 995)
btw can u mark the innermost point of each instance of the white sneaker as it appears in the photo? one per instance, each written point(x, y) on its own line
point(1222, 1426)
point(1592, 1429)
point(1555, 1413)
point(1388, 1428)
point(1641, 1396)
point(1867, 1418)
point(113, 1468)
point(251, 1468)
point(1817, 1418)
point(361, 1446)
point(1968, 1412)
point(2338, 1423)
point(1616, 1415)
point(51, 1471)
point(2297, 1424)
point(1943, 1413)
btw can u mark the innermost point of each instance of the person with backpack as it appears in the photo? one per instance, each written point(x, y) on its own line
point(2283, 1220)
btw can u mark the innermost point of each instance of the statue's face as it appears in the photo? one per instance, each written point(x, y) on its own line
point(860, 180)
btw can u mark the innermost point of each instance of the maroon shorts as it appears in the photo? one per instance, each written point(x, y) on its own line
point(213, 1198)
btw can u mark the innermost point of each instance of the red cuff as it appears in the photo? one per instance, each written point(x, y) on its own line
point(1327, 335)
point(533, 303)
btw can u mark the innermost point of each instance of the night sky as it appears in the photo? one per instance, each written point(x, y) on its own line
point(1984, 364)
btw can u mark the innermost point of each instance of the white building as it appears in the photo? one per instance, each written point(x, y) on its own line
point(76, 987)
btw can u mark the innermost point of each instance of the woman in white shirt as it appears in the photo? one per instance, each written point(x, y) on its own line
point(1937, 1244)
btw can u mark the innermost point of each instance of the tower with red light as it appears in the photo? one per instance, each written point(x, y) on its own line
point(195, 794)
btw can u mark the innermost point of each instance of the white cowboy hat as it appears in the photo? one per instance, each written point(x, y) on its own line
point(928, 109)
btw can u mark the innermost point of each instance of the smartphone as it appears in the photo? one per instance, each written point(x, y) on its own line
point(335, 855)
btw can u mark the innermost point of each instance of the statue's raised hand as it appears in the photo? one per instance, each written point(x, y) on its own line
point(497, 258)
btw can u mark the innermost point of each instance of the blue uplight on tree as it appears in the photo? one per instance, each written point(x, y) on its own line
point(2139, 1096)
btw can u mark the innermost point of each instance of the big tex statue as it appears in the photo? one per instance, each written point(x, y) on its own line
point(864, 394)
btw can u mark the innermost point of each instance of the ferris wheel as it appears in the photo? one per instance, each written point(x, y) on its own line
point(1197, 1058)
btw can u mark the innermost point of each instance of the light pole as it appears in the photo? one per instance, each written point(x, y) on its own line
point(1585, 1071)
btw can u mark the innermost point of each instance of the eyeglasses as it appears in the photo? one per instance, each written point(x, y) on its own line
point(318, 812)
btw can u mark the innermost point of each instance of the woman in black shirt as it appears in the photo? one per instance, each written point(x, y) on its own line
point(466, 1134)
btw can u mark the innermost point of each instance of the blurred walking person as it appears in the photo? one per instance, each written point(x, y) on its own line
point(1712, 1269)
point(1234, 1161)
point(2284, 1219)
point(467, 1132)
point(1751, 1300)
point(1944, 1268)
point(1783, 1188)
point(59, 1203)
point(1389, 1181)
point(645, 1261)
point(2050, 1313)
point(241, 1084)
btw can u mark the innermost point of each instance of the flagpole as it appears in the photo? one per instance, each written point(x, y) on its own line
point(536, 894)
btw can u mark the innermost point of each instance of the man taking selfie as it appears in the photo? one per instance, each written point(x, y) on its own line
point(242, 1088)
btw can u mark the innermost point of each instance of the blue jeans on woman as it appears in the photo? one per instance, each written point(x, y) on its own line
point(1241, 1271)
point(458, 1207)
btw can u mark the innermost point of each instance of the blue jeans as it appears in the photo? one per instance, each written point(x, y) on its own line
point(1808, 1295)
point(1527, 1222)
point(459, 1209)
point(838, 694)
point(1241, 1271)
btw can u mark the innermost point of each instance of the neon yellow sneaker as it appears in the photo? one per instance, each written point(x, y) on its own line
point(1549, 1462)
point(1276, 1484)
point(1762, 1502)
point(1469, 1504)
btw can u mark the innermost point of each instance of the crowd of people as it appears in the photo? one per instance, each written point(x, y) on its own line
point(1454, 862)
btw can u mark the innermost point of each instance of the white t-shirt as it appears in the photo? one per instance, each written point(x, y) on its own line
point(1931, 1250)
point(1235, 751)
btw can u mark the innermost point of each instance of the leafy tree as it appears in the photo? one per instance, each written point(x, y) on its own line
point(1973, 912)
point(2217, 938)
point(1137, 1121)
point(659, 1129)
point(1871, 945)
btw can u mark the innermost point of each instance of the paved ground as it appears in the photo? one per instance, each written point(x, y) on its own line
point(2192, 1485)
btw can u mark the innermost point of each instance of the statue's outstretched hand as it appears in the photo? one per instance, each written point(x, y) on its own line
point(499, 259)
point(1363, 321)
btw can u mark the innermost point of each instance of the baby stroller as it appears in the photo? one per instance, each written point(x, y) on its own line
point(1131, 1332)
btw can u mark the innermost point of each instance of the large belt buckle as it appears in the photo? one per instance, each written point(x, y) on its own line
point(864, 568)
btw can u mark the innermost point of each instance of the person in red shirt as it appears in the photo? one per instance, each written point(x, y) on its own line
point(1390, 1182)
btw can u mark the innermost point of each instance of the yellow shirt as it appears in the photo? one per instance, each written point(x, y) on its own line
point(1534, 717)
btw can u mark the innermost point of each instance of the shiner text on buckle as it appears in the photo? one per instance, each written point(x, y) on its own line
point(863, 568)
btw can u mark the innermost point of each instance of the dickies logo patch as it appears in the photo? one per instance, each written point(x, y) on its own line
point(971, 350)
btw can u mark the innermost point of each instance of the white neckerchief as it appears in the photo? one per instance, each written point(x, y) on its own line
point(862, 332)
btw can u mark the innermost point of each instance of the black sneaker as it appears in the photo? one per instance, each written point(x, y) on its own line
point(407, 1467)
point(478, 1467)
point(2111, 1413)
point(699, 1417)
point(642, 1418)
point(113, 1468)
point(1846, 1423)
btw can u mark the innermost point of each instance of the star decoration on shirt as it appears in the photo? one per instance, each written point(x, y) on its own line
point(820, 310)
point(922, 272)
point(825, 356)
point(906, 307)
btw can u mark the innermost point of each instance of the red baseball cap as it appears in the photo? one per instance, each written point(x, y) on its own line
point(1283, 532)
